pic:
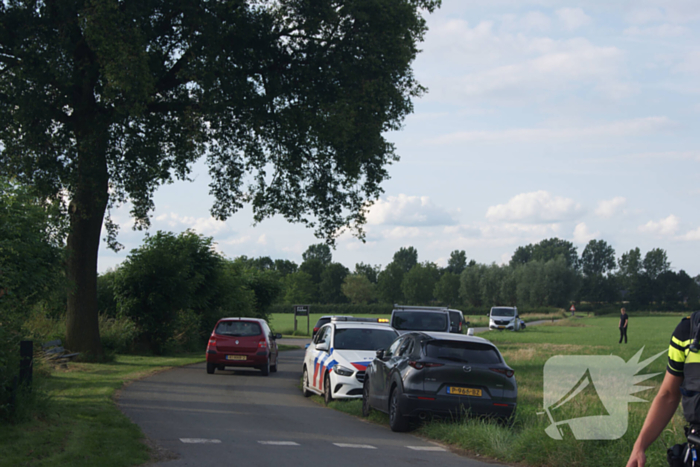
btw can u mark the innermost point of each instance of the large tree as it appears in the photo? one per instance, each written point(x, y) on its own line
point(598, 258)
point(102, 101)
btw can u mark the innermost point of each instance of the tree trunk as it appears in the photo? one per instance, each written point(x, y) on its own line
point(87, 209)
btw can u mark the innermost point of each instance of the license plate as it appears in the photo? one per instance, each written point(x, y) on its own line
point(464, 391)
point(501, 327)
point(235, 357)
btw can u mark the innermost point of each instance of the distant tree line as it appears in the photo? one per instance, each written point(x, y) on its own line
point(175, 286)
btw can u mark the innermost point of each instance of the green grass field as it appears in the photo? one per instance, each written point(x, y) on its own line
point(284, 322)
point(526, 352)
point(80, 425)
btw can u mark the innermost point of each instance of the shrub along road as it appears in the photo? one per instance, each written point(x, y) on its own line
point(248, 419)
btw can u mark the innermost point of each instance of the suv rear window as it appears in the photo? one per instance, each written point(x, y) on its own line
point(462, 352)
point(363, 339)
point(419, 321)
point(238, 328)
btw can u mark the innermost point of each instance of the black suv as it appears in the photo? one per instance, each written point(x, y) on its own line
point(426, 318)
point(425, 374)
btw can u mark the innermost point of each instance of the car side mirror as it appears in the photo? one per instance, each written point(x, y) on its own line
point(278, 336)
point(322, 346)
point(380, 354)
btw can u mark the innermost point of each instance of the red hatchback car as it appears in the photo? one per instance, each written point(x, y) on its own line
point(242, 342)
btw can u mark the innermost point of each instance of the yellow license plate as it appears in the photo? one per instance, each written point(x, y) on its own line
point(501, 327)
point(235, 357)
point(464, 391)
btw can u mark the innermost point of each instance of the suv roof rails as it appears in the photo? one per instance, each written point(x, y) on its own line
point(412, 307)
point(344, 319)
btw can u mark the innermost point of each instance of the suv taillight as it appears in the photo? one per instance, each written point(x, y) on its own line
point(421, 365)
point(316, 330)
point(503, 371)
point(262, 344)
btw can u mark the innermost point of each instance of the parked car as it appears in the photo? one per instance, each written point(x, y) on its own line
point(426, 374)
point(457, 323)
point(323, 320)
point(420, 318)
point(504, 318)
point(242, 342)
point(335, 362)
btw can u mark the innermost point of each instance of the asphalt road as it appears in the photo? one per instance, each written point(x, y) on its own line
point(242, 418)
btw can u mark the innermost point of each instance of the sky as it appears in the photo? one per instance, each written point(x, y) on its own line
point(543, 118)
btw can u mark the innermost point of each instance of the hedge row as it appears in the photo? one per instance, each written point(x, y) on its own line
point(385, 309)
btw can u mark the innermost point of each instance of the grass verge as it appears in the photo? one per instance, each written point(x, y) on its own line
point(526, 352)
point(80, 425)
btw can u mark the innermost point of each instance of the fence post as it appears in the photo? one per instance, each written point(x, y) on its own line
point(26, 363)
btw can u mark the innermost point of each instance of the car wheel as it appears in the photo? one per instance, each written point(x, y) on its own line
point(273, 368)
point(305, 383)
point(210, 368)
point(397, 421)
point(366, 408)
point(266, 368)
point(327, 395)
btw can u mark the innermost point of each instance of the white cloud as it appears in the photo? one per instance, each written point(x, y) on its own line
point(573, 18)
point(583, 235)
point(406, 210)
point(662, 30)
point(664, 227)
point(536, 21)
point(610, 207)
point(236, 240)
point(398, 233)
point(692, 235)
point(514, 67)
point(262, 240)
point(645, 15)
point(538, 206)
point(202, 225)
point(637, 126)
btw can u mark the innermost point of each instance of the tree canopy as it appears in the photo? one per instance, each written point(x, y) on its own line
point(102, 101)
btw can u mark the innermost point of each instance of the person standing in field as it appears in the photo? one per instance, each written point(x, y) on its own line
point(624, 319)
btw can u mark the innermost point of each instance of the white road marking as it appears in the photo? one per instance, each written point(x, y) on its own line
point(356, 446)
point(426, 448)
point(200, 441)
point(279, 443)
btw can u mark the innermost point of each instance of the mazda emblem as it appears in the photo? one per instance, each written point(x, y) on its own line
point(236, 342)
point(467, 369)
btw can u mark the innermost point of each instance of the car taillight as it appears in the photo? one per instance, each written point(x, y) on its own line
point(315, 330)
point(503, 371)
point(421, 365)
point(460, 326)
point(212, 343)
point(262, 344)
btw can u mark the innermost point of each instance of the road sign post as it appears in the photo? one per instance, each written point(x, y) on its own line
point(302, 310)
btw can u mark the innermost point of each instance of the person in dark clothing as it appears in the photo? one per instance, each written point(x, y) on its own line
point(624, 319)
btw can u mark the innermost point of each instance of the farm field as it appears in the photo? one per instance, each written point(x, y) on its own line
point(526, 352)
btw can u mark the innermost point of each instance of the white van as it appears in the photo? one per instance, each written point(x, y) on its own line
point(504, 317)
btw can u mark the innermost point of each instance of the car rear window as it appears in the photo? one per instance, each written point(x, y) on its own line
point(363, 339)
point(238, 328)
point(322, 321)
point(419, 321)
point(463, 352)
point(502, 312)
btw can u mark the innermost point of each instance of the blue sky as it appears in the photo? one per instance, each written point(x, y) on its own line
point(543, 118)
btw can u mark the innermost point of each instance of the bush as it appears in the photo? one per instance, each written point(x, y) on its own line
point(117, 334)
point(187, 336)
point(9, 366)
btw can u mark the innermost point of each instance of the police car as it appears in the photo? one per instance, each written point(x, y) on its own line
point(336, 360)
